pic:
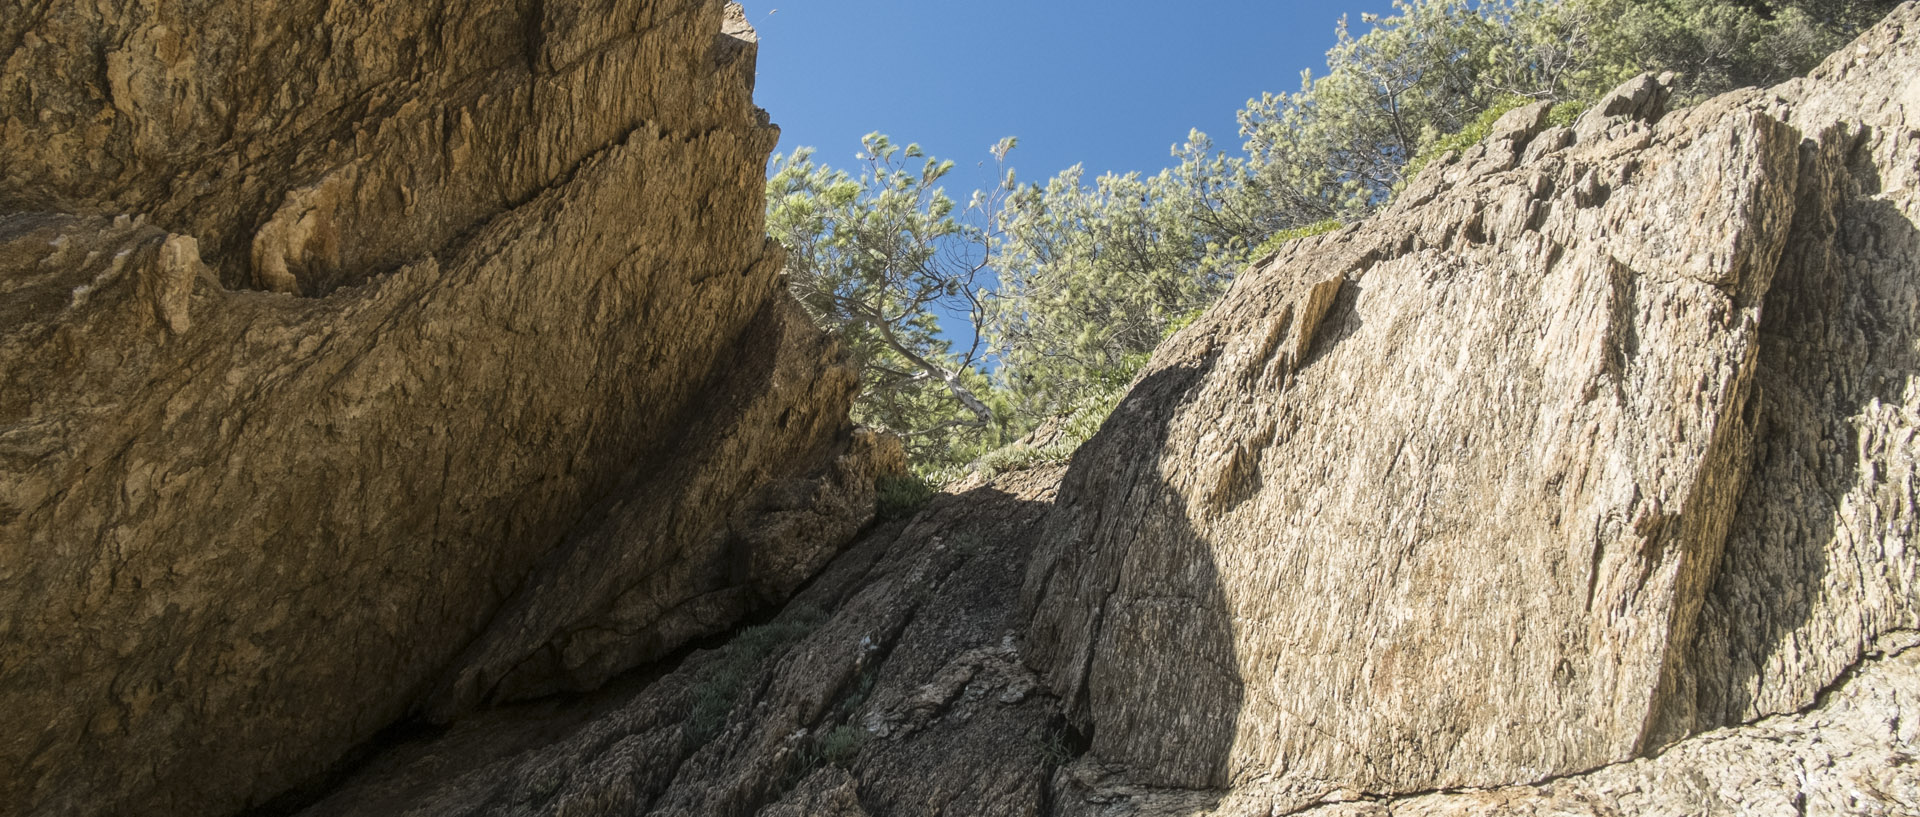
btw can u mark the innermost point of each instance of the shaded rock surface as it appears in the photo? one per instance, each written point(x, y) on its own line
point(892, 684)
point(895, 685)
point(524, 404)
point(1852, 756)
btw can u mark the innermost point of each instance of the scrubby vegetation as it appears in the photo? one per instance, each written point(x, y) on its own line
point(720, 683)
point(899, 497)
point(1064, 287)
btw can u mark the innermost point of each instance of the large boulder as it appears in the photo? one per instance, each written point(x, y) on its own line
point(1598, 437)
point(360, 360)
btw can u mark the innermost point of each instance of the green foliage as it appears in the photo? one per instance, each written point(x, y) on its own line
point(1564, 114)
point(877, 256)
point(839, 746)
point(1275, 241)
point(1713, 45)
point(1433, 77)
point(1052, 747)
point(720, 682)
point(1077, 424)
point(1466, 137)
point(1015, 457)
point(899, 497)
point(1094, 273)
point(1340, 145)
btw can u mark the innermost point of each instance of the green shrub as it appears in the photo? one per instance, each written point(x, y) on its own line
point(1052, 748)
point(1564, 114)
point(1187, 319)
point(718, 686)
point(1277, 240)
point(1014, 457)
point(1464, 138)
point(840, 746)
point(900, 497)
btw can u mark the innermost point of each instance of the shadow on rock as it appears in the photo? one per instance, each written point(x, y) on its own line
point(1127, 610)
point(1798, 594)
point(891, 681)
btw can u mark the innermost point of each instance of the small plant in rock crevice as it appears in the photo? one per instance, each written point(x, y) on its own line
point(719, 684)
point(900, 497)
point(839, 746)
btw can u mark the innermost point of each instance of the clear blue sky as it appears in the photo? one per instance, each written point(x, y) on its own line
point(1109, 84)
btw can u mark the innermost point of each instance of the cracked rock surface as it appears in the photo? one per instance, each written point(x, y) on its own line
point(1596, 439)
point(1580, 481)
point(367, 360)
point(890, 685)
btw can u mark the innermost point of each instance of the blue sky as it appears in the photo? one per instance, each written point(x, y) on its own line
point(1109, 84)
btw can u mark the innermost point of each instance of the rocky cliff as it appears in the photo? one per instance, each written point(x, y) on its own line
point(1580, 481)
point(360, 360)
point(1599, 437)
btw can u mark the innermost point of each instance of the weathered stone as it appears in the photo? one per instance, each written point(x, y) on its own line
point(585, 616)
point(544, 386)
point(1853, 755)
point(1506, 502)
point(1824, 554)
point(1502, 503)
point(829, 792)
point(1459, 529)
point(891, 684)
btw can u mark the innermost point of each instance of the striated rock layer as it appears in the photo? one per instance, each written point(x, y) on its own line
point(892, 684)
point(1580, 482)
point(366, 359)
point(1599, 437)
point(895, 684)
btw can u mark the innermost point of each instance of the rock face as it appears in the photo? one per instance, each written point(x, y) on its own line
point(1597, 438)
point(896, 684)
point(522, 403)
point(1580, 481)
point(892, 684)
point(1852, 756)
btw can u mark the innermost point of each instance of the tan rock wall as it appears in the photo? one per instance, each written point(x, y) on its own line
point(544, 361)
point(1598, 437)
point(1821, 561)
point(338, 140)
